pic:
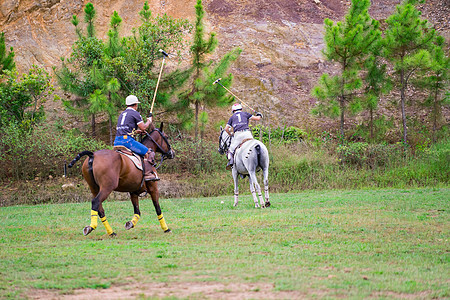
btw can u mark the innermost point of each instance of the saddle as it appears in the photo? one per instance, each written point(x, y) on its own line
point(136, 159)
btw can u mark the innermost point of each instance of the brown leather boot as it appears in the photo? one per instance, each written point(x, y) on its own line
point(150, 171)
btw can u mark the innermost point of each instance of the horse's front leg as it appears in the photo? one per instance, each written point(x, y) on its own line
point(236, 186)
point(137, 213)
point(152, 186)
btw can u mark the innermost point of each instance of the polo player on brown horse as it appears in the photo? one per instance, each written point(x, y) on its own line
point(107, 170)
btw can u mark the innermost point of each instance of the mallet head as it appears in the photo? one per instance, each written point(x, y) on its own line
point(217, 80)
point(164, 52)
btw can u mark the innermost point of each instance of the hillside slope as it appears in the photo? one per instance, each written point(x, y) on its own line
point(281, 42)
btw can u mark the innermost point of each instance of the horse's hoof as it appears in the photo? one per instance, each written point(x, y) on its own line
point(168, 231)
point(267, 204)
point(235, 204)
point(113, 234)
point(129, 225)
point(87, 230)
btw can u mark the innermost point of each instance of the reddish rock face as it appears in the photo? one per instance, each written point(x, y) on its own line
point(281, 40)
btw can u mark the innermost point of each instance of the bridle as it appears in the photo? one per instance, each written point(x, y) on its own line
point(224, 143)
point(164, 154)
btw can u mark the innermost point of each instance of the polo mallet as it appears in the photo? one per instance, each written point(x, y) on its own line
point(218, 81)
point(159, 77)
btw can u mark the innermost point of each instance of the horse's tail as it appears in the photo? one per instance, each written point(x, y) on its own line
point(258, 154)
point(79, 156)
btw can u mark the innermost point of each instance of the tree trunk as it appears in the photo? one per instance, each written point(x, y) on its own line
point(342, 103)
point(402, 104)
point(435, 111)
point(196, 119)
point(111, 142)
point(371, 125)
point(93, 125)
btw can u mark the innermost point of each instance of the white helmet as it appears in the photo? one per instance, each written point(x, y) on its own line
point(131, 99)
point(235, 107)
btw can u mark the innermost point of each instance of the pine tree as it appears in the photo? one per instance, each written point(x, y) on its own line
point(6, 59)
point(141, 57)
point(75, 75)
point(202, 93)
point(347, 44)
point(405, 45)
point(376, 84)
point(435, 80)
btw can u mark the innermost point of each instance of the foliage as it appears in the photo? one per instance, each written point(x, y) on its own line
point(287, 135)
point(347, 43)
point(6, 57)
point(25, 154)
point(22, 98)
point(141, 52)
point(435, 81)
point(406, 43)
point(202, 93)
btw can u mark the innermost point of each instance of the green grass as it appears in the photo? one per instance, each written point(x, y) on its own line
point(325, 244)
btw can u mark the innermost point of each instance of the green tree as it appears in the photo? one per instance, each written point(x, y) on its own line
point(22, 98)
point(376, 83)
point(202, 93)
point(435, 80)
point(405, 44)
point(6, 59)
point(348, 42)
point(75, 75)
point(141, 52)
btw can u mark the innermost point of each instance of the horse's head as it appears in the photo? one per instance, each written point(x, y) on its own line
point(224, 141)
point(157, 140)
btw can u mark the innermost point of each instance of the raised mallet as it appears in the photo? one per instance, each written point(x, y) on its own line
point(218, 81)
point(164, 53)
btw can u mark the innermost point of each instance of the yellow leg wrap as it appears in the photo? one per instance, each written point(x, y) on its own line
point(135, 219)
point(94, 215)
point(107, 226)
point(162, 222)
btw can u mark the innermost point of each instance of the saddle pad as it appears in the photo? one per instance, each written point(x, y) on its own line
point(132, 156)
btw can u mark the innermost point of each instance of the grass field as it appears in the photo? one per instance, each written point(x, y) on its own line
point(318, 244)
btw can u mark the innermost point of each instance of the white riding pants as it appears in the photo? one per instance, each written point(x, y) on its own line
point(238, 137)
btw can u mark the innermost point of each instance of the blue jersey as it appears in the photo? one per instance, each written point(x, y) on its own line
point(239, 120)
point(128, 121)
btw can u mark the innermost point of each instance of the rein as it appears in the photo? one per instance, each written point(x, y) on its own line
point(164, 154)
point(224, 143)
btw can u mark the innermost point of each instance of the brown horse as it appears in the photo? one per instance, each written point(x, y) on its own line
point(107, 170)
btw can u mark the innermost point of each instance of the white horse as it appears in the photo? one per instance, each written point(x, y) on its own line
point(249, 158)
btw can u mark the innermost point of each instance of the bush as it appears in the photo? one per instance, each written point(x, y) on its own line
point(194, 157)
point(369, 155)
point(287, 135)
point(39, 152)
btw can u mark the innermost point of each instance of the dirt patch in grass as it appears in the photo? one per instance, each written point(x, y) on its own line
point(195, 290)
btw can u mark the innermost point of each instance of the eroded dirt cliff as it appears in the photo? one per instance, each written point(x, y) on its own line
point(281, 41)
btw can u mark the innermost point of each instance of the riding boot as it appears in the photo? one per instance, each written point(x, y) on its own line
point(150, 171)
point(230, 161)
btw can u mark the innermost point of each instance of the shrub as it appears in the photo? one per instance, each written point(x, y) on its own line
point(27, 153)
point(281, 135)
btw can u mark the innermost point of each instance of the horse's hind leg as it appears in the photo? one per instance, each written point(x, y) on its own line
point(255, 188)
point(266, 187)
point(96, 203)
point(137, 212)
point(101, 214)
point(152, 186)
point(236, 186)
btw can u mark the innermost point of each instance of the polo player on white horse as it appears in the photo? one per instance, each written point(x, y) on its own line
point(241, 131)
